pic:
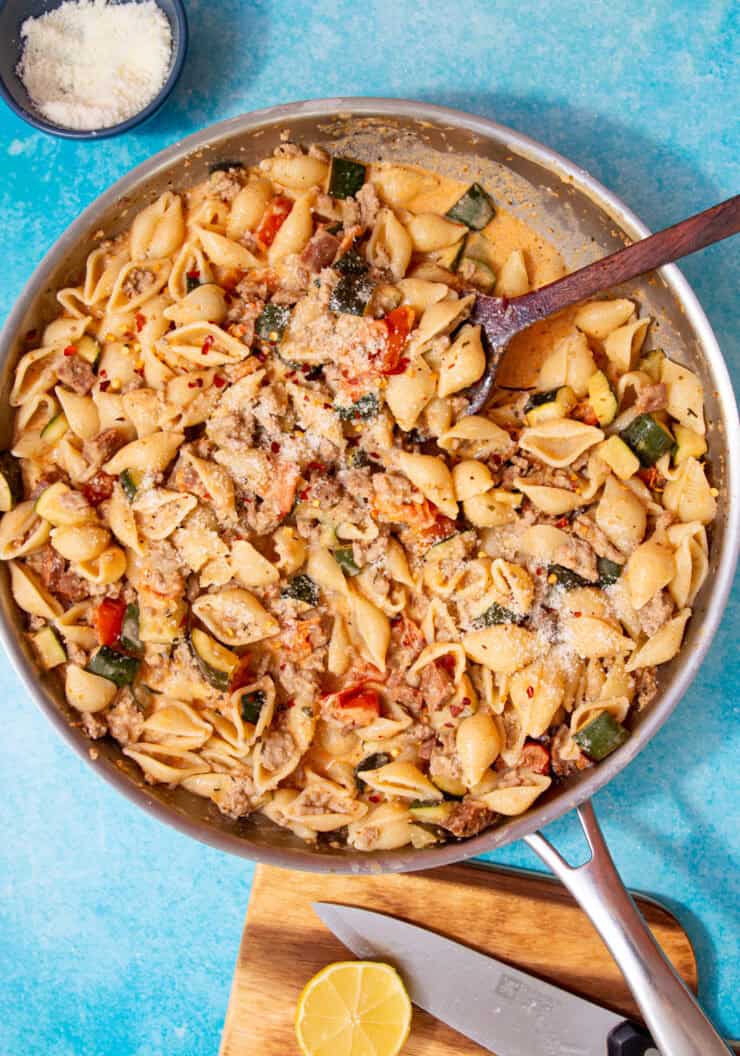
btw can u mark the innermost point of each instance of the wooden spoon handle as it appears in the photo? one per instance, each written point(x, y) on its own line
point(675, 242)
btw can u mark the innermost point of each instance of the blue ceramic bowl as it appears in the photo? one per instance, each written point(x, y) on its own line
point(13, 14)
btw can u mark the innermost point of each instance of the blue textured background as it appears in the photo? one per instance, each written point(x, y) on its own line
point(117, 935)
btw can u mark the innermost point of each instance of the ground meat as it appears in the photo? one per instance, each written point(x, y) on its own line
point(277, 748)
point(436, 685)
point(93, 725)
point(125, 720)
point(652, 398)
point(294, 280)
point(76, 373)
point(369, 203)
point(535, 757)
point(565, 755)
point(320, 251)
point(647, 686)
point(240, 797)
point(52, 571)
point(244, 313)
point(327, 207)
point(535, 472)
point(44, 482)
point(578, 556)
point(585, 528)
point(137, 282)
point(160, 572)
point(104, 446)
point(469, 818)
point(655, 613)
point(225, 185)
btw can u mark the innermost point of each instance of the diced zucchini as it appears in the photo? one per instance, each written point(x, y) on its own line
point(689, 444)
point(559, 575)
point(370, 762)
point(475, 208)
point(609, 571)
point(363, 409)
point(431, 813)
point(544, 406)
point(351, 263)
point(130, 480)
point(55, 429)
point(648, 439)
point(272, 322)
point(652, 363)
point(602, 736)
point(11, 482)
point(88, 349)
point(50, 649)
point(216, 663)
point(346, 177)
point(351, 295)
point(622, 461)
point(494, 614)
point(115, 666)
point(450, 256)
point(602, 398)
point(302, 588)
point(344, 557)
point(129, 636)
point(252, 705)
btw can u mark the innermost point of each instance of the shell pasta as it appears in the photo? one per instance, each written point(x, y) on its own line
point(256, 536)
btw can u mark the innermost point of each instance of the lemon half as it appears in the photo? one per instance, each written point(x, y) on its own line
point(353, 1008)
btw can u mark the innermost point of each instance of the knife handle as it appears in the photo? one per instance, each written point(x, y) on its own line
point(630, 1040)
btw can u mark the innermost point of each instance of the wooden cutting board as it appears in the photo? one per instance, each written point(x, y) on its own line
point(525, 919)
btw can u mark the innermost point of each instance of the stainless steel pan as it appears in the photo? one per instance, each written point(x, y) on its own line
point(585, 220)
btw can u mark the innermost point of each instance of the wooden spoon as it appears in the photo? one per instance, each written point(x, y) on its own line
point(501, 319)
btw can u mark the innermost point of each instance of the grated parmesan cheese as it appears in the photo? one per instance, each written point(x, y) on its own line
point(90, 64)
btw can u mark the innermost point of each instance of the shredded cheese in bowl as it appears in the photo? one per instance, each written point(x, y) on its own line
point(90, 64)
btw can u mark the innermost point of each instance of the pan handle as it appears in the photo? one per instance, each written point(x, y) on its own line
point(675, 1020)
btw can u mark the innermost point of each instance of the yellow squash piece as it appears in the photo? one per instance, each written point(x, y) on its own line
point(353, 1008)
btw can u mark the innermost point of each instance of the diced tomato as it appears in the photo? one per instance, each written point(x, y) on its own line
point(398, 323)
point(651, 476)
point(98, 488)
point(242, 674)
point(447, 663)
point(440, 528)
point(278, 209)
point(140, 320)
point(361, 698)
point(108, 619)
point(535, 757)
point(584, 412)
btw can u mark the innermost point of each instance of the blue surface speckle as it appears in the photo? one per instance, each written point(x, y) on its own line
point(119, 935)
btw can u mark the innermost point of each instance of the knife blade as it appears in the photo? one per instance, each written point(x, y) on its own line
point(501, 1008)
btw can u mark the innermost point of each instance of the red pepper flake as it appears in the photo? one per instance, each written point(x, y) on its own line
point(140, 320)
point(193, 274)
point(496, 459)
point(374, 798)
point(259, 356)
point(465, 702)
point(288, 704)
point(576, 614)
point(530, 691)
point(303, 495)
point(70, 350)
point(207, 345)
point(104, 385)
point(218, 381)
point(191, 385)
point(455, 710)
point(274, 447)
point(103, 374)
point(562, 523)
point(538, 571)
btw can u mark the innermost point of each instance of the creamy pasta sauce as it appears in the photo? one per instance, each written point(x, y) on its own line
point(257, 534)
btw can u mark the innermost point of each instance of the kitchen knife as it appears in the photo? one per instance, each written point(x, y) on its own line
point(501, 1008)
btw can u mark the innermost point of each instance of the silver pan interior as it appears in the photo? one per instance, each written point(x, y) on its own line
point(585, 221)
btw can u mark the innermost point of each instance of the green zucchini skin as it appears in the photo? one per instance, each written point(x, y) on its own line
point(302, 588)
point(363, 409)
point(602, 736)
point(370, 762)
point(128, 484)
point(351, 263)
point(346, 177)
point(351, 295)
point(129, 637)
point(344, 557)
point(567, 578)
point(272, 322)
point(495, 614)
point(252, 705)
point(217, 677)
point(11, 482)
point(475, 208)
point(648, 439)
point(609, 571)
point(115, 666)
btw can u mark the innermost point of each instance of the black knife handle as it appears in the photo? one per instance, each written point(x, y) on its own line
point(630, 1040)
